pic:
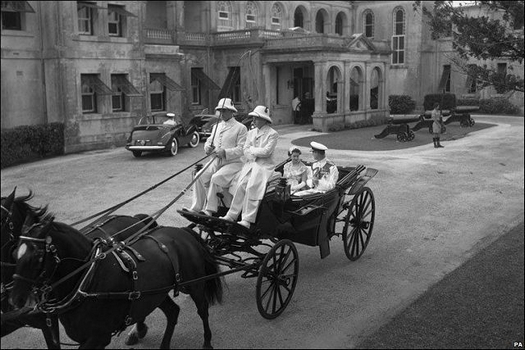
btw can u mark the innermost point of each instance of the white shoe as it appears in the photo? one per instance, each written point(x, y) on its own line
point(207, 212)
point(245, 223)
point(226, 217)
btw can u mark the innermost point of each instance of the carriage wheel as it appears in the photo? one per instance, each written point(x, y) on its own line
point(359, 224)
point(402, 136)
point(277, 279)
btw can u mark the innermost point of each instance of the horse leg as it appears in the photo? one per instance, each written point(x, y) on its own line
point(171, 310)
point(51, 334)
point(202, 309)
point(139, 331)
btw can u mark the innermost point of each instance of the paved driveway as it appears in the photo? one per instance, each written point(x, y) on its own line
point(435, 208)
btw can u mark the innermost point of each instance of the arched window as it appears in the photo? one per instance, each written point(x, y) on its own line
point(398, 37)
point(319, 22)
point(339, 24)
point(356, 79)
point(251, 14)
point(368, 23)
point(277, 14)
point(224, 12)
point(375, 88)
point(298, 18)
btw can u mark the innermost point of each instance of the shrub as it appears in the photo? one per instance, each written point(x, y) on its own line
point(468, 102)
point(28, 142)
point(447, 101)
point(401, 104)
point(497, 106)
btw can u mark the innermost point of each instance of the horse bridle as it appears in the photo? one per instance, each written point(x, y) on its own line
point(43, 249)
point(8, 222)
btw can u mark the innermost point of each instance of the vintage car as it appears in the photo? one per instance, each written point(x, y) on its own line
point(159, 133)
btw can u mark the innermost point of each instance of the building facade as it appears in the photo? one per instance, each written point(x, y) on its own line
point(98, 66)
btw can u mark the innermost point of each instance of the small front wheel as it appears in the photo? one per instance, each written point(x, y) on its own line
point(277, 279)
point(359, 224)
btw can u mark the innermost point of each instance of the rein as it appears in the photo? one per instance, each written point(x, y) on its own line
point(117, 206)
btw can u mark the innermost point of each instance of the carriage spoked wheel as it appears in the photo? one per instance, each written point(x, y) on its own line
point(359, 223)
point(277, 279)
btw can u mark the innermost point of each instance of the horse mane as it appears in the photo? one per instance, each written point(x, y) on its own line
point(40, 213)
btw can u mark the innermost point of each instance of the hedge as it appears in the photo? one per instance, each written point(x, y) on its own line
point(29, 142)
point(401, 104)
point(446, 101)
point(491, 106)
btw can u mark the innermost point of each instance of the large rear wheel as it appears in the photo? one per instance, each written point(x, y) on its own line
point(359, 223)
point(277, 279)
point(195, 139)
point(174, 147)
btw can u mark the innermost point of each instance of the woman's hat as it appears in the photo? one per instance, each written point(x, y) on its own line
point(226, 103)
point(261, 112)
point(293, 149)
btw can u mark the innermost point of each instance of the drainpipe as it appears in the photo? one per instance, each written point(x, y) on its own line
point(42, 64)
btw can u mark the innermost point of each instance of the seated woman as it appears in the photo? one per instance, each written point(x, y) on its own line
point(295, 171)
point(323, 174)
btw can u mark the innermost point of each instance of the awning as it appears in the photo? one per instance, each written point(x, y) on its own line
point(120, 11)
point(96, 84)
point(82, 4)
point(17, 6)
point(205, 80)
point(121, 82)
point(444, 78)
point(232, 77)
point(166, 81)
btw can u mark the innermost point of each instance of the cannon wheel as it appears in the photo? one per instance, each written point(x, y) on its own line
point(359, 223)
point(402, 137)
point(277, 279)
point(471, 122)
point(411, 135)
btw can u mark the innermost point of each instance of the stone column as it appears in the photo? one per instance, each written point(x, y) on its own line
point(346, 88)
point(267, 92)
point(320, 88)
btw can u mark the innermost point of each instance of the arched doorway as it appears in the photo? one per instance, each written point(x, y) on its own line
point(333, 80)
point(375, 88)
point(356, 79)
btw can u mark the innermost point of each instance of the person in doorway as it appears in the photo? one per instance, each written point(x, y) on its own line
point(323, 174)
point(258, 168)
point(296, 108)
point(227, 140)
point(437, 125)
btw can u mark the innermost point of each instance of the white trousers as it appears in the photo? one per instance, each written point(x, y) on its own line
point(240, 203)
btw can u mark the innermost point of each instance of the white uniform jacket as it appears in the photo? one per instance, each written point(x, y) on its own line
point(326, 172)
point(258, 154)
point(229, 135)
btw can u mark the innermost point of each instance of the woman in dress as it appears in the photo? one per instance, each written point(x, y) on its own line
point(295, 171)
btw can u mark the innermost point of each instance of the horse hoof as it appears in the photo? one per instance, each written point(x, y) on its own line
point(132, 339)
point(142, 332)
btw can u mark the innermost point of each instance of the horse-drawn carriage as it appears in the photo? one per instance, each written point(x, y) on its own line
point(145, 261)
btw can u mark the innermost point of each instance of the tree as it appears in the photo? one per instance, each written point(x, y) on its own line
point(481, 37)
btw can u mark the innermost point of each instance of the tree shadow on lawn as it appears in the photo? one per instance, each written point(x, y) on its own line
point(363, 139)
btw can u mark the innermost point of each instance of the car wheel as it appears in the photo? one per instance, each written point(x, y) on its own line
point(174, 148)
point(137, 154)
point(195, 139)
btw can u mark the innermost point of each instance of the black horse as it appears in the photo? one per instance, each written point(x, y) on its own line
point(103, 298)
point(14, 211)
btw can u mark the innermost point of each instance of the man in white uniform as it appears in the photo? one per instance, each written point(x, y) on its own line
point(227, 140)
point(258, 168)
point(171, 120)
point(323, 174)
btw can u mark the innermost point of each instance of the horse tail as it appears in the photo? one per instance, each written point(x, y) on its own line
point(146, 219)
point(213, 289)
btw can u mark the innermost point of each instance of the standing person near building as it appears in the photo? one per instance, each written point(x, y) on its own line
point(227, 140)
point(323, 174)
point(296, 109)
point(258, 168)
point(170, 120)
point(437, 125)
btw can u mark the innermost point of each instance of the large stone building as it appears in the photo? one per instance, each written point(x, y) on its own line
point(98, 66)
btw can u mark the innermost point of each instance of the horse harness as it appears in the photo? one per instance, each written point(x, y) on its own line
point(127, 258)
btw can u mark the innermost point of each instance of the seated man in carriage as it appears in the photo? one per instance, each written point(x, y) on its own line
point(323, 174)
